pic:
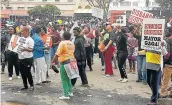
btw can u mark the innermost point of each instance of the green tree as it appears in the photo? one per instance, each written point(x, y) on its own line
point(165, 3)
point(43, 12)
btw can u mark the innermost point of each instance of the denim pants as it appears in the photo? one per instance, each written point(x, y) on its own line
point(141, 67)
point(53, 51)
point(153, 80)
point(47, 59)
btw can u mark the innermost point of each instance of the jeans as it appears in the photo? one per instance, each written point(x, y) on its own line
point(47, 59)
point(141, 67)
point(153, 80)
point(53, 51)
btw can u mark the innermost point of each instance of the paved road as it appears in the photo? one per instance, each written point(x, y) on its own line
point(103, 91)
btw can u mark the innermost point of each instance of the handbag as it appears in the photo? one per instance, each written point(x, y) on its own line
point(101, 46)
point(55, 69)
point(71, 69)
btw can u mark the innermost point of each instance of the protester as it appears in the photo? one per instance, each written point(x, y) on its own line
point(64, 53)
point(4, 44)
point(132, 45)
point(167, 70)
point(108, 51)
point(47, 40)
point(153, 66)
point(38, 56)
point(56, 40)
point(122, 53)
point(169, 24)
point(80, 55)
point(12, 57)
point(88, 47)
point(140, 58)
point(26, 59)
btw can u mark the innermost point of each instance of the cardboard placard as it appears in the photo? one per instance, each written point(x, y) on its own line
point(97, 12)
point(137, 16)
point(152, 34)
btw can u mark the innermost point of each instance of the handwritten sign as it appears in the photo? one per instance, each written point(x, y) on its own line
point(97, 12)
point(137, 16)
point(152, 34)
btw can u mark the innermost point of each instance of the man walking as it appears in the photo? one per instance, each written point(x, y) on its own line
point(80, 56)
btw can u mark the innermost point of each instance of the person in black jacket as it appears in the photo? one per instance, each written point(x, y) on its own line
point(4, 41)
point(80, 55)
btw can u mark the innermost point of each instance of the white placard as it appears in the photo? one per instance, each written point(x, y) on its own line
point(97, 12)
point(48, 41)
point(16, 43)
point(152, 34)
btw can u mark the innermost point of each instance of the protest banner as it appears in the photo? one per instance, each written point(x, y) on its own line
point(152, 34)
point(137, 16)
point(16, 43)
point(118, 17)
point(97, 12)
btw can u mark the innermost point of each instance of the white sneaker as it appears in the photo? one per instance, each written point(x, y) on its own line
point(64, 98)
point(71, 94)
point(107, 75)
point(18, 77)
point(124, 80)
point(10, 78)
point(103, 67)
point(119, 80)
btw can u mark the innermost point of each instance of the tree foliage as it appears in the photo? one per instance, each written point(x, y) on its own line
point(165, 3)
point(5, 2)
point(43, 12)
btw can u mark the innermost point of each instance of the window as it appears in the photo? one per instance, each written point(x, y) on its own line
point(57, 0)
point(31, 0)
point(125, 4)
point(9, 8)
point(20, 0)
point(70, 0)
point(115, 3)
point(29, 8)
point(135, 3)
point(20, 8)
point(44, 0)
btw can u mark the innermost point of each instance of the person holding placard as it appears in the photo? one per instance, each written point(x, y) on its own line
point(26, 58)
point(12, 57)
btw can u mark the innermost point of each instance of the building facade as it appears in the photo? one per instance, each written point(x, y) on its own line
point(19, 7)
point(130, 4)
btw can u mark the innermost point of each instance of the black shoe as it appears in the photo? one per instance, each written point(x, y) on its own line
point(2, 72)
point(25, 88)
point(46, 81)
point(138, 80)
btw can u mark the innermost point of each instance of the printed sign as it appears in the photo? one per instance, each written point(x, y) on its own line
point(137, 16)
point(152, 34)
point(118, 17)
point(97, 12)
point(16, 43)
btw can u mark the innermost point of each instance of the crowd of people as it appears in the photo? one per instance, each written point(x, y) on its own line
point(53, 44)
